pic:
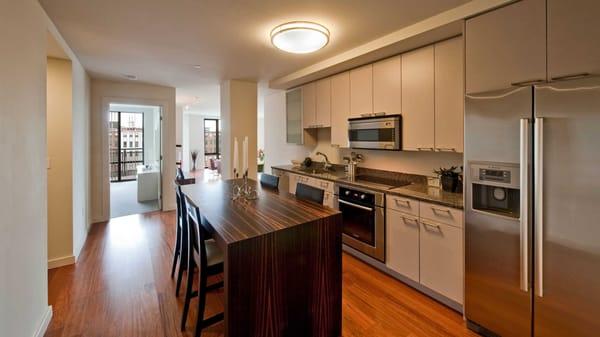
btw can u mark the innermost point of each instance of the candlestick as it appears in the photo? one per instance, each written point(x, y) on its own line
point(235, 157)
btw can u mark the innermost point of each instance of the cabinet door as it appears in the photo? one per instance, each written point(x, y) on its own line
point(293, 111)
point(449, 96)
point(402, 244)
point(418, 100)
point(573, 35)
point(441, 257)
point(340, 109)
point(361, 90)
point(328, 199)
point(293, 182)
point(323, 96)
point(308, 105)
point(506, 46)
point(386, 86)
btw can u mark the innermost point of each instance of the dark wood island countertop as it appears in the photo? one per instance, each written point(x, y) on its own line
point(283, 260)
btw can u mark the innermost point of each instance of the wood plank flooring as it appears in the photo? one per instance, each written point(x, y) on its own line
point(121, 286)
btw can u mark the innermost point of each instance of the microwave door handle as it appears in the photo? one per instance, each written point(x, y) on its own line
point(355, 205)
point(524, 196)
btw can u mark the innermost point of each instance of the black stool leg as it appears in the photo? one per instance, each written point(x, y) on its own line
point(183, 264)
point(177, 250)
point(201, 303)
point(188, 293)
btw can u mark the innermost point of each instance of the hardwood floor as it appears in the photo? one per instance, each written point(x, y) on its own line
point(121, 286)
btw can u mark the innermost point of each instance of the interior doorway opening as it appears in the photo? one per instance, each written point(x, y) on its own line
point(134, 144)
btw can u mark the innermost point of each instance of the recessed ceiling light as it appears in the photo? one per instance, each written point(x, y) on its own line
point(130, 77)
point(197, 66)
point(300, 37)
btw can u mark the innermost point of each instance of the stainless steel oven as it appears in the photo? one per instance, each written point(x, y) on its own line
point(363, 218)
point(380, 132)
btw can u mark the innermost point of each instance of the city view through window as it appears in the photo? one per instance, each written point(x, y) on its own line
point(212, 140)
point(126, 144)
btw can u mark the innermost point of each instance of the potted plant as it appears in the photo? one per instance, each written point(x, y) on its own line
point(449, 178)
point(261, 160)
point(194, 155)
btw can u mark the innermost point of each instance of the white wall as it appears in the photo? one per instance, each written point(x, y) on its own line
point(193, 139)
point(60, 158)
point(277, 151)
point(23, 220)
point(105, 92)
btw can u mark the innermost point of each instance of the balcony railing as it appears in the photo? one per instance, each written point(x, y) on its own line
point(126, 168)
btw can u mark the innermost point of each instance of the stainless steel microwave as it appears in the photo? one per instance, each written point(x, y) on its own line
point(379, 132)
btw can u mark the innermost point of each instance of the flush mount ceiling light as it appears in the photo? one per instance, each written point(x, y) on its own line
point(300, 37)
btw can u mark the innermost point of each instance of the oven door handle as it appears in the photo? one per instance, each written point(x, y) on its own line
point(355, 205)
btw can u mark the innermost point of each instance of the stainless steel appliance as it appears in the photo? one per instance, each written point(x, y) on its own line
point(363, 220)
point(379, 132)
point(532, 234)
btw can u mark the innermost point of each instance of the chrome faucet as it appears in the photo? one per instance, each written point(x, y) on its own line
point(327, 165)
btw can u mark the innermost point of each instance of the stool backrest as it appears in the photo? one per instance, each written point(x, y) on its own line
point(269, 180)
point(307, 192)
point(180, 175)
point(197, 233)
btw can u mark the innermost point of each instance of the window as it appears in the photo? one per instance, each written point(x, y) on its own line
point(125, 159)
point(212, 139)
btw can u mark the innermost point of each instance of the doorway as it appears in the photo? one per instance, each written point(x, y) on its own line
point(134, 148)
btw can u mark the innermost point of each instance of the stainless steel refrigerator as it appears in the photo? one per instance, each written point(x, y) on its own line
point(532, 210)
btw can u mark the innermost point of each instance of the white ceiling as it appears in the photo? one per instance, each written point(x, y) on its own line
point(159, 41)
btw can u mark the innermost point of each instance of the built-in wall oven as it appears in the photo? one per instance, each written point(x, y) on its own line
point(363, 218)
point(380, 132)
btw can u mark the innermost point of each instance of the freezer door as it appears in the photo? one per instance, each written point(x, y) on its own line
point(496, 261)
point(567, 200)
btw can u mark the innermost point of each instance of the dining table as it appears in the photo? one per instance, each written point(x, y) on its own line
point(282, 259)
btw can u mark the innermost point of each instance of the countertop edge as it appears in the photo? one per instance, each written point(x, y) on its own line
point(397, 191)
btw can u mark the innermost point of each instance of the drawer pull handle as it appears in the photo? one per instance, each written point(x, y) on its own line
point(446, 149)
point(570, 77)
point(527, 83)
point(429, 226)
point(410, 221)
point(439, 210)
point(425, 148)
point(405, 202)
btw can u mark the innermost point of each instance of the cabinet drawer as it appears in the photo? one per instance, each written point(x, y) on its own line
point(325, 185)
point(329, 200)
point(446, 215)
point(406, 205)
point(441, 259)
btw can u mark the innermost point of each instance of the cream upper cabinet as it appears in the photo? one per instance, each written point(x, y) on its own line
point(507, 46)
point(387, 86)
point(418, 100)
point(449, 95)
point(573, 38)
point(361, 90)
point(441, 259)
point(402, 243)
point(309, 106)
point(323, 103)
point(340, 109)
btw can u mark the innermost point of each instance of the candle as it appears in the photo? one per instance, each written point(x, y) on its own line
point(245, 155)
point(235, 158)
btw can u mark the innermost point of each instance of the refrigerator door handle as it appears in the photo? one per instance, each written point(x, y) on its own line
point(524, 218)
point(539, 203)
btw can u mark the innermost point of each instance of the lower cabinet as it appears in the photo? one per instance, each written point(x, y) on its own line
point(441, 259)
point(424, 250)
point(402, 244)
point(329, 199)
point(325, 185)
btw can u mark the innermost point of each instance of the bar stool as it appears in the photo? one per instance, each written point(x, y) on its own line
point(180, 249)
point(269, 181)
point(307, 192)
point(205, 255)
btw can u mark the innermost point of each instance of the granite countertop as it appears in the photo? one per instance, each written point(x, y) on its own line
point(415, 190)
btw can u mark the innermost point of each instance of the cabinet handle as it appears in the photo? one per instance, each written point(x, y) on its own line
point(425, 148)
point(428, 225)
point(570, 77)
point(526, 83)
point(409, 220)
point(446, 149)
point(405, 202)
point(440, 210)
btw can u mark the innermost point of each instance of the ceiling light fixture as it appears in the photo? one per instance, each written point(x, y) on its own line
point(130, 77)
point(300, 37)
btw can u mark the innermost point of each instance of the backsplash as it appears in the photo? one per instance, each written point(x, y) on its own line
point(421, 163)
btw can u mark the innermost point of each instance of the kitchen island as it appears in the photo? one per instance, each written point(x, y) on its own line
point(283, 260)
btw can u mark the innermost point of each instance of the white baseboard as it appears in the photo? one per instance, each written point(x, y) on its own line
point(61, 261)
point(41, 330)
